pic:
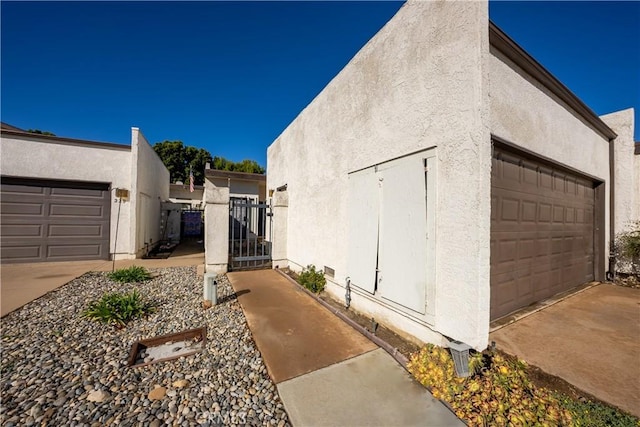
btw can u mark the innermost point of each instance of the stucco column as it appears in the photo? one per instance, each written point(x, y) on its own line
point(216, 220)
point(279, 236)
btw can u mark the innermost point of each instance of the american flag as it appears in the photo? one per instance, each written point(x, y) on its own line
point(191, 189)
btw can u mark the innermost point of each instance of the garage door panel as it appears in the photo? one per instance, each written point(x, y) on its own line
point(541, 231)
point(77, 192)
point(69, 230)
point(21, 252)
point(75, 210)
point(27, 230)
point(22, 209)
point(530, 174)
point(76, 250)
point(54, 221)
point(9, 189)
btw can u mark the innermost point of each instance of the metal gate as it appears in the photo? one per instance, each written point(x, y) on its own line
point(249, 223)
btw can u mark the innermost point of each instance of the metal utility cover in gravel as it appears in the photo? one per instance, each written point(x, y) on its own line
point(61, 369)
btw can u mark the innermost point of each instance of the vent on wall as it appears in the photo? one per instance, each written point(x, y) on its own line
point(329, 271)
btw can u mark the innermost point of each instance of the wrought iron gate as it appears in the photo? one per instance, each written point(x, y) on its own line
point(249, 223)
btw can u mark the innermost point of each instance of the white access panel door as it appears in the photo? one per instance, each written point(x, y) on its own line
point(363, 206)
point(403, 233)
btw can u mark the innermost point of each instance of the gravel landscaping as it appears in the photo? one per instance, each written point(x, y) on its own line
point(61, 369)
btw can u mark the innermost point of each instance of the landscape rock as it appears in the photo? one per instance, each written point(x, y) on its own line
point(98, 396)
point(157, 393)
point(50, 353)
point(180, 383)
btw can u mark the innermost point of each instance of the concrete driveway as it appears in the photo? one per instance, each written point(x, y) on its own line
point(591, 340)
point(23, 283)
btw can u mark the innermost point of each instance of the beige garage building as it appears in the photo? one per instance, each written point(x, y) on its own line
point(444, 178)
point(59, 200)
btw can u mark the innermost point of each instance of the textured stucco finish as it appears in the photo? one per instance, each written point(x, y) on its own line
point(626, 168)
point(216, 232)
point(181, 194)
point(428, 79)
point(136, 168)
point(237, 188)
point(149, 177)
point(279, 237)
point(403, 92)
point(33, 157)
point(528, 115)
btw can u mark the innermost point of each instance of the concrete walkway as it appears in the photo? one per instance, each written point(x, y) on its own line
point(591, 339)
point(23, 283)
point(325, 371)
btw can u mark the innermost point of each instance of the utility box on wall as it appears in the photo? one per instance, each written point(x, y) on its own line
point(122, 193)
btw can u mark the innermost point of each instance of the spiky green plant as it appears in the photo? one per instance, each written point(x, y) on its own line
point(312, 279)
point(132, 274)
point(118, 308)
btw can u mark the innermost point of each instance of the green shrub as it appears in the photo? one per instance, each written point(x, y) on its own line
point(596, 414)
point(628, 243)
point(118, 308)
point(627, 248)
point(131, 274)
point(312, 279)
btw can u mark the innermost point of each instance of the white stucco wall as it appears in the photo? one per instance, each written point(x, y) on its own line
point(37, 157)
point(239, 188)
point(524, 113)
point(420, 82)
point(627, 170)
point(181, 194)
point(150, 181)
point(216, 233)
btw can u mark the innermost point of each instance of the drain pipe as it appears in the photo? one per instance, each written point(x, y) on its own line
point(611, 274)
point(347, 294)
point(399, 357)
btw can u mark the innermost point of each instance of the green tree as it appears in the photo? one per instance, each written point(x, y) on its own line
point(221, 164)
point(250, 166)
point(196, 159)
point(172, 154)
point(40, 132)
point(181, 159)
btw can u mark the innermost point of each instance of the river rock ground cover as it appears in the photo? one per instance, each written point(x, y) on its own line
point(61, 369)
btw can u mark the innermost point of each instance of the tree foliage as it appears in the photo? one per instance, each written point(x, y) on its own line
point(249, 166)
point(180, 159)
point(41, 132)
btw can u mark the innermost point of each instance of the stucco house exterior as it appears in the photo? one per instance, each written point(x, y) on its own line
point(227, 196)
point(181, 194)
point(60, 197)
point(444, 178)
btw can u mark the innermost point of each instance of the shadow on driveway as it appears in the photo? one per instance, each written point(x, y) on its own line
point(591, 339)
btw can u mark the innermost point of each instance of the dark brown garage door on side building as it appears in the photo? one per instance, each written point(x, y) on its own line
point(542, 230)
point(46, 220)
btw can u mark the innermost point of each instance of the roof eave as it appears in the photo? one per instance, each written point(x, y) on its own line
point(509, 48)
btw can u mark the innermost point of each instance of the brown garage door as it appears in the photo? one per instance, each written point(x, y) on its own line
point(542, 228)
point(46, 220)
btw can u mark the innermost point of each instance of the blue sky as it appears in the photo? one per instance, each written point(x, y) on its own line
point(230, 76)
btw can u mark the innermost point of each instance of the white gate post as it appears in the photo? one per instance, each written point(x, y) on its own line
point(216, 226)
point(279, 236)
